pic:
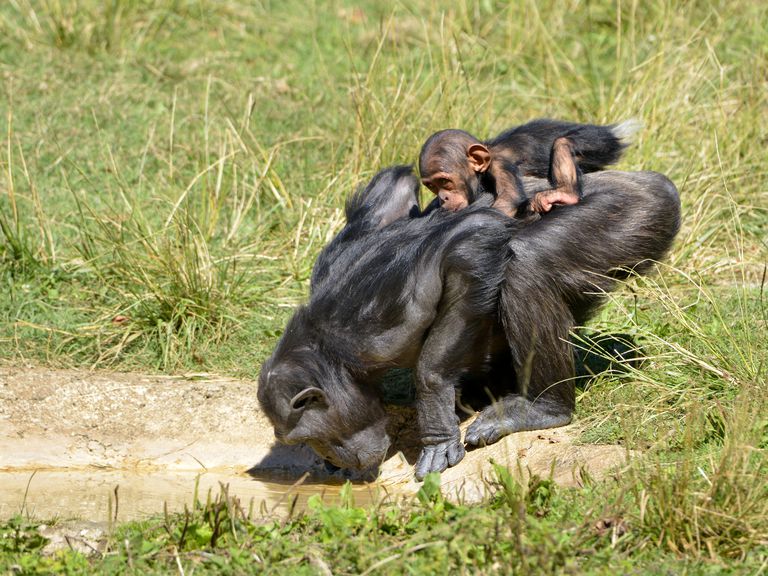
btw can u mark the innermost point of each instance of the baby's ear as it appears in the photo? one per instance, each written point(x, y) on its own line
point(479, 157)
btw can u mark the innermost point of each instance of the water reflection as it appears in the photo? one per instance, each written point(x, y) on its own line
point(90, 494)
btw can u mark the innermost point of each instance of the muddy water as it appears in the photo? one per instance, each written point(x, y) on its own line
point(90, 494)
point(152, 436)
point(88, 432)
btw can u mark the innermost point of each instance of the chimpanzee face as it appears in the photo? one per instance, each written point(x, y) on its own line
point(308, 401)
point(452, 173)
point(447, 185)
point(365, 449)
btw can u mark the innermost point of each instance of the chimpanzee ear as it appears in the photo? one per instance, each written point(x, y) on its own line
point(308, 397)
point(479, 157)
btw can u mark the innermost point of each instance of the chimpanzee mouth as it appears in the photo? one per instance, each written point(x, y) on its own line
point(341, 457)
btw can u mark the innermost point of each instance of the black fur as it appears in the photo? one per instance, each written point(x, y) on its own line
point(387, 292)
point(562, 266)
point(530, 145)
point(453, 295)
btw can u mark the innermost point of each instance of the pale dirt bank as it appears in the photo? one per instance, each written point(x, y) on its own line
point(83, 433)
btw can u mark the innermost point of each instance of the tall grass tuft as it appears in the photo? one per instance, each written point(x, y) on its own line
point(713, 505)
point(183, 263)
point(26, 241)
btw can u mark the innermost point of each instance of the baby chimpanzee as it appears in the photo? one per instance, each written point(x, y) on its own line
point(457, 167)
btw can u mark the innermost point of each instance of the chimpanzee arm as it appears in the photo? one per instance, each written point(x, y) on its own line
point(564, 177)
point(392, 194)
point(437, 375)
point(562, 266)
point(466, 319)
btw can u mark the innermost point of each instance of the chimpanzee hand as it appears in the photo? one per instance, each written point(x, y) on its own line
point(438, 457)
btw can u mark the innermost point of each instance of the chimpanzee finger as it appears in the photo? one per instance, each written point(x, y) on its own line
point(431, 459)
point(438, 457)
point(455, 453)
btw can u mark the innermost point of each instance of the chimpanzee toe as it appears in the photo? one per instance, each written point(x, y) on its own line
point(482, 433)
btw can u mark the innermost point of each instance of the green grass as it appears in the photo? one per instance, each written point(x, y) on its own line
point(171, 168)
point(532, 529)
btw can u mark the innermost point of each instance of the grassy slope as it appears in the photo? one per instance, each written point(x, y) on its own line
point(170, 169)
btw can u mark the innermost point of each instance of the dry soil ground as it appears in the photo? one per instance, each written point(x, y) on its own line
point(69, 438)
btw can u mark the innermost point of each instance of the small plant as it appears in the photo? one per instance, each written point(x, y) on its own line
point(19, 535)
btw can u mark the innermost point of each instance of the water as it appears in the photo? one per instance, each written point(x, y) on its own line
point(89, 494)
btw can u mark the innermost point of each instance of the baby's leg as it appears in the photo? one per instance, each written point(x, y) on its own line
point(564, 177)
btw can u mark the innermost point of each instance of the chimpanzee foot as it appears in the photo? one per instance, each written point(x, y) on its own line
point(487, 430)
point(514, 414)
point(438, 457)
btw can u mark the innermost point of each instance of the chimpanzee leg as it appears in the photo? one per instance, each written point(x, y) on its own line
point(564, 177)
point(537, 321)
point(561, 266)
point(596, 147)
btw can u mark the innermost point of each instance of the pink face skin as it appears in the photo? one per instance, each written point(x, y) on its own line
point(448, 189)
point(446, 178)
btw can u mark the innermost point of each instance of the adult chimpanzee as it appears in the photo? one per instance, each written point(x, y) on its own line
point(395, 291)
point(457, 167)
